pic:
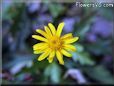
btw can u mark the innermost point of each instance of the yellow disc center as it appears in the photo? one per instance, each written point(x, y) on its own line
point(55, 43)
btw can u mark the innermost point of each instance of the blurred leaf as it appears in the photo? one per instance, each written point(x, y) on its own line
point(81, 56)
point(101, 74)
point(12, 10)
point(53, 71)
point(16, 16)
point(76, 74)
point(20, 42)
point(5, 82)
point(18, 58)
point(55, 9)
point(5, 7)
point(100, 47)
point(85, 21)
point(82, 32)
point(79, 48)
point(107, 13)
point(37, 65)
point(40, 64)
point(69, 63)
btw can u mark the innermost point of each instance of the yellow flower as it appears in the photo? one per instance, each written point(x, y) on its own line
point(53, 44)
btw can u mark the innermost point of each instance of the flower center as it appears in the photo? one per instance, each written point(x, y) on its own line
point(55, 43)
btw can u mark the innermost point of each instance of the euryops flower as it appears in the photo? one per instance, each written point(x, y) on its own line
point(53, 44)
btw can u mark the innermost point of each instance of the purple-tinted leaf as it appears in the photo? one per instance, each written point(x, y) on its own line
point(33, 7)
point(69, 24)
point(102, 27)
point(41, 21)
point(76, 74)
point(91, 37)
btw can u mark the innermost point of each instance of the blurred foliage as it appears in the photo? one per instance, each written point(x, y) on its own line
point(94, 49)
point(54, 72)
point(82, 56)
point(56, 9)
point(99, 73)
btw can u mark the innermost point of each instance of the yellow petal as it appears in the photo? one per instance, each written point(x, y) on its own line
point(44, 55)
point(39, 38)
point(71, 40)
point(60, 57)
point(59, 29)
point(52, 28)
point(67, 36)
point(69, 47)
point(38, 51)
point(48, 31)
point(40, 46)
point(64, 52)
point(51, 56)
point(42, 33)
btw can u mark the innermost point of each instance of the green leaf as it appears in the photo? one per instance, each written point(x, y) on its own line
point(79, 48)
point(100, 47)
point(53, 71)
point(101, 74)
point(55, 9)
point(82, 32)
point(81, 56)
point(107, 13)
